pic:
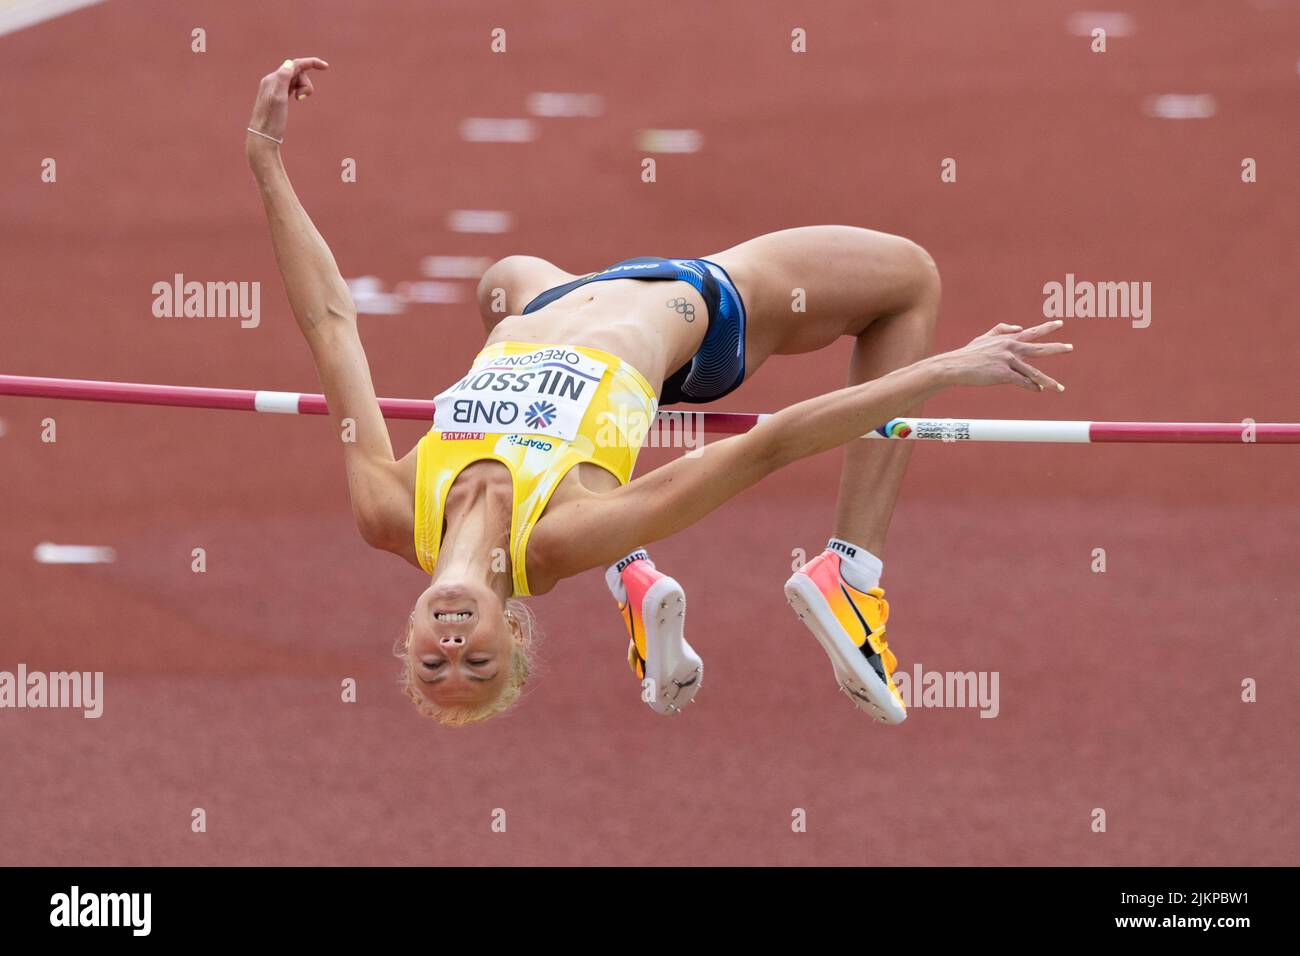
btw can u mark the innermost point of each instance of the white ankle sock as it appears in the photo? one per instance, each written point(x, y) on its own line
point(614, 577)
point(859, 567)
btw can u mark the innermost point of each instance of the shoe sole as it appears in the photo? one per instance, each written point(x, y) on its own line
point(856, 677)
point(673, 665)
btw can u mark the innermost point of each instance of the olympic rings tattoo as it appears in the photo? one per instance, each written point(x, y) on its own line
point(682, 307)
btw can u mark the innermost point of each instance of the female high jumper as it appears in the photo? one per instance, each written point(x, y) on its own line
point(525, 476)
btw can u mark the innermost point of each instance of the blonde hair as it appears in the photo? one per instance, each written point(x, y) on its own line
point(521, 665)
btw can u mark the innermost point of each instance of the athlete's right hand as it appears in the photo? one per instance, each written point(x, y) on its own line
point(271, 109)
point(1001, 357)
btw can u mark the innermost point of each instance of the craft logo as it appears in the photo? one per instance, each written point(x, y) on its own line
point(922, 689)
point(539, 414)
point(208, 300)
point(523, 442)
point(1103, 300)
point(74, 908)
point(73, 690)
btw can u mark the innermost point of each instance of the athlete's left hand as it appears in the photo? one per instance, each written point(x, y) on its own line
point(1001, 357)
point(271, 109)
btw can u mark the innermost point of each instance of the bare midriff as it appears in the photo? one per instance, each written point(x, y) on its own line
point(629, 318)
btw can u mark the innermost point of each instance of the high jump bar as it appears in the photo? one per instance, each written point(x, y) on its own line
point(727, 423)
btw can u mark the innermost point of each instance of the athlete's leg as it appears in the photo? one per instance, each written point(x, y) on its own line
point(805, 288)
point(873, 470)
point(884, 291)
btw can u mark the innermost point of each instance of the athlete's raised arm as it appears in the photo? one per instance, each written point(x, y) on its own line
point(671, 498)
point(323, 307)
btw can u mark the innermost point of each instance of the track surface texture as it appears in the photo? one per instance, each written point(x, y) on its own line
point(1118, 690)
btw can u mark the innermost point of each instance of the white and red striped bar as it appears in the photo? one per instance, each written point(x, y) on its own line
point(1013, 430)
point(724, 423)
point(186, 396)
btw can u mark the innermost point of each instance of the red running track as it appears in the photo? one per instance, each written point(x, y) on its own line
point(1119, 690)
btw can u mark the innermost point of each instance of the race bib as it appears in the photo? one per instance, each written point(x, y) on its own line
point(543, 392)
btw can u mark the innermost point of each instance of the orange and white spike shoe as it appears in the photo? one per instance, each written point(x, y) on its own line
point(850, 625)
point(653, 606)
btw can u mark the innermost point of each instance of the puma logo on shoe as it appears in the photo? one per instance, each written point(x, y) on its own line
point(634, 556)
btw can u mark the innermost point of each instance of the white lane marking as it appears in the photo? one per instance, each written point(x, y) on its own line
point(277, 403)
point(454, 267)
point(18, 14)
point(565, 104)
point(1180, 106)
point(669, 140)
point(1082, 24)
point(480, 220)
point(369, 297)
point(478, 129)
point(428, 292)
point(47, 553)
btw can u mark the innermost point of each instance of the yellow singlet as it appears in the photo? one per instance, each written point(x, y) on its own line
point(539, 410)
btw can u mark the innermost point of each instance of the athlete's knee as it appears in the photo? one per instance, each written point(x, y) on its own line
point(924, 267)
point(494, 287)
point(926, 288)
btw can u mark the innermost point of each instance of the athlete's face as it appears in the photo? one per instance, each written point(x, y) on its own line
point(462, 644)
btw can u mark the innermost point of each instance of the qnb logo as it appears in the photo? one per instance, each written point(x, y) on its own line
point(102, 909)
point(467, 411)
point(539, 414)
